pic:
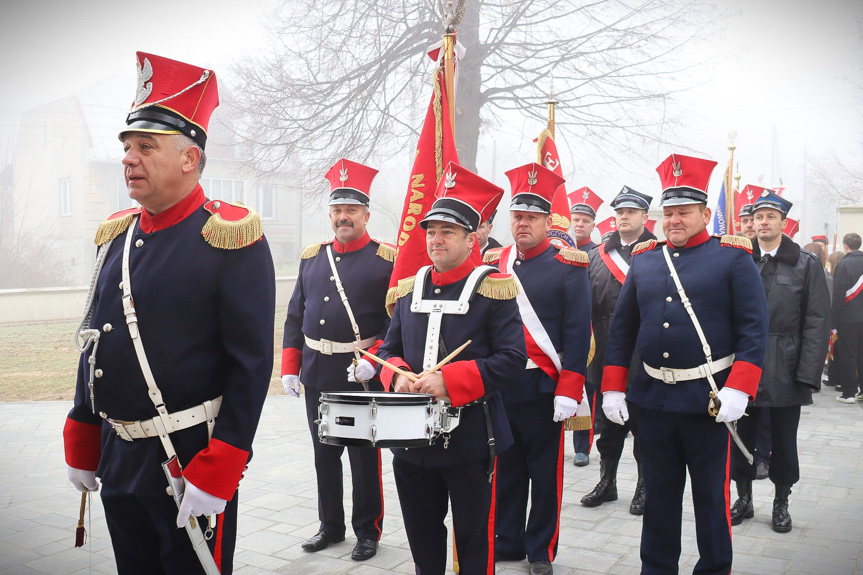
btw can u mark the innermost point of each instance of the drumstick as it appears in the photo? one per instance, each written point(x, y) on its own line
point(447, 359)
point(385, 363)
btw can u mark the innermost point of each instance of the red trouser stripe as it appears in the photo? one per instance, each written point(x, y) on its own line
point(559, 472)
point(379, 520)
point(490, 559)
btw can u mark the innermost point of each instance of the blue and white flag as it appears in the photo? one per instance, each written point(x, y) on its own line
point(720, 220)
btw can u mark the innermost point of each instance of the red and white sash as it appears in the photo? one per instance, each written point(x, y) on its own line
point(615, 263)
point(539, 346)
point(855, 290)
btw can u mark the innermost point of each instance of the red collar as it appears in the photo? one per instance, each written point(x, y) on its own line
point(584, 242)
point(453, 275)
point(353, 246)
point(696, 240)
point(534, 251)
point(173, 215)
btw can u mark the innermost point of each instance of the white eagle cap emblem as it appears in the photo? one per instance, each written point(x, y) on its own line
point(449, 183)
point(765, 193)
point(586, 194)
point(675, 169)
point(343, 175)
point(531, 178)
point(613, 224)
point(145, 87)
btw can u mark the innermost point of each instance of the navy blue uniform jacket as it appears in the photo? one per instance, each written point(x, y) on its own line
point(728, 298)
point(205, 316)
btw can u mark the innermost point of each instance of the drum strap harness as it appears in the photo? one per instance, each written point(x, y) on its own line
point(436, 309)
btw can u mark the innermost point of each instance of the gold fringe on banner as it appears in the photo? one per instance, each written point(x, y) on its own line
point(310, 251)
point(226, 235)
point(738, 242)
point(578, 423)
point(386, 252)
point(438, 124)
point(540, 142)
point(498, 288)
point(110, 229)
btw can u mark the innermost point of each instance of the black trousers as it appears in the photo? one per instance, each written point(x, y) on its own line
point(423, 495)
point(612, 436)
point(784, 464)
point(672, 444)
point(368, 495)
point(849, 358)
point(146, 540)
point(582, 440)
point(532, 468)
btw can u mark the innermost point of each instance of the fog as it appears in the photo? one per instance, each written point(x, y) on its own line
point(786, 76)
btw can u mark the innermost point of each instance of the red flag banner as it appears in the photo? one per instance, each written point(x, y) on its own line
point(560, 218)
point(435, 149)
point(547, 153)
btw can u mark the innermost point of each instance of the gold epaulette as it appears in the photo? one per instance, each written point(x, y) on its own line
point(386, 251)
point(642, 247)
point(498, 286)
point(311, 251)
point(573, 257)
point(114, 225)
point(403, 288)
point(738, 242)
point(492, 255)
point(231, 226)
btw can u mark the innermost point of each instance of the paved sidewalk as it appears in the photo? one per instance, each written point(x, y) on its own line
point(38, 510)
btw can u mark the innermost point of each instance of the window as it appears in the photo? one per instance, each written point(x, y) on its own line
point(124, 202)
point(65, 197)
point(224, 189)
point(266, 202)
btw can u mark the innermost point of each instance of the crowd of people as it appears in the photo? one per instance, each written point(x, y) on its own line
point(673, 341)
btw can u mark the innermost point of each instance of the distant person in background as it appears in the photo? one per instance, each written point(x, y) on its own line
point(847, 319)
point(747, 224)
point(483, 235)
point(832, 379)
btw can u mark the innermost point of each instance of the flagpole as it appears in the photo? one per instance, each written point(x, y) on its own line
point(729, 196)
point(449, 72)
point(550, 104)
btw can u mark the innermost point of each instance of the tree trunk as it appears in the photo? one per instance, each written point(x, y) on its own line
point(469, 97)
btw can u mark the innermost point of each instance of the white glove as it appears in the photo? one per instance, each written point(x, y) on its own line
point(564, 407)
point(291, 383)
point(81, 479)
point(364, 370)
point(198, 502)
point(614, 406)
point(733, 406)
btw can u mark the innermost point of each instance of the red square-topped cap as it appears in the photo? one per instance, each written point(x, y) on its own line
point(684, 180)
point(463, 198)
point(350, 182)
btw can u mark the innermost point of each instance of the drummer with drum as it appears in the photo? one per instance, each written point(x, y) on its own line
point(437, 311)
point(339, 303)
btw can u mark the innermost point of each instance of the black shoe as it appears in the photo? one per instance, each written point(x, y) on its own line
point(581, 459)
point(781, 518)
point(541, 568)
point(320, 541)
point(762, 470)
point(606, 489)
point(743, 508)
point(636, 507)
point(364, 549)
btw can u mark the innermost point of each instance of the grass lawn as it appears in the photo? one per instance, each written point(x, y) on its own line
point(39, 362)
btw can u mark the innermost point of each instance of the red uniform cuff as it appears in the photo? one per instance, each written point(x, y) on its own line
point(570, 384)
point(292, 359)
point(83, 444)
point(463, 381)
point(387, 374)
point(744, 377)
point(614, 378)
point(375, 347)
point(217, 469)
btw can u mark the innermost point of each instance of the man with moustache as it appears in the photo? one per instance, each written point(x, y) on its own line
point(609, 264)
point(555, 310)
point(695, 310)
point(747, 223)
point(798, 306)
point(321, 331)
point(436, 311)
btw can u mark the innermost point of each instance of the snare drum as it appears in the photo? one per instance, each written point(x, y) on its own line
point(376, 419)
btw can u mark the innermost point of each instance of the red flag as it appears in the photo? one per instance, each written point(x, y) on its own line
point(547, 153)
point(560, 219)
point(436, 135)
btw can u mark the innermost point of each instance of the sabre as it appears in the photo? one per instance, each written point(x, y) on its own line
point(713, 409)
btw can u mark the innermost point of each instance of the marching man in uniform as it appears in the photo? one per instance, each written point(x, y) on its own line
point(176, 342)
point(438, 310)
point(694, 307)
point(554, 302)
point(609, 264)
point(326, 319)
